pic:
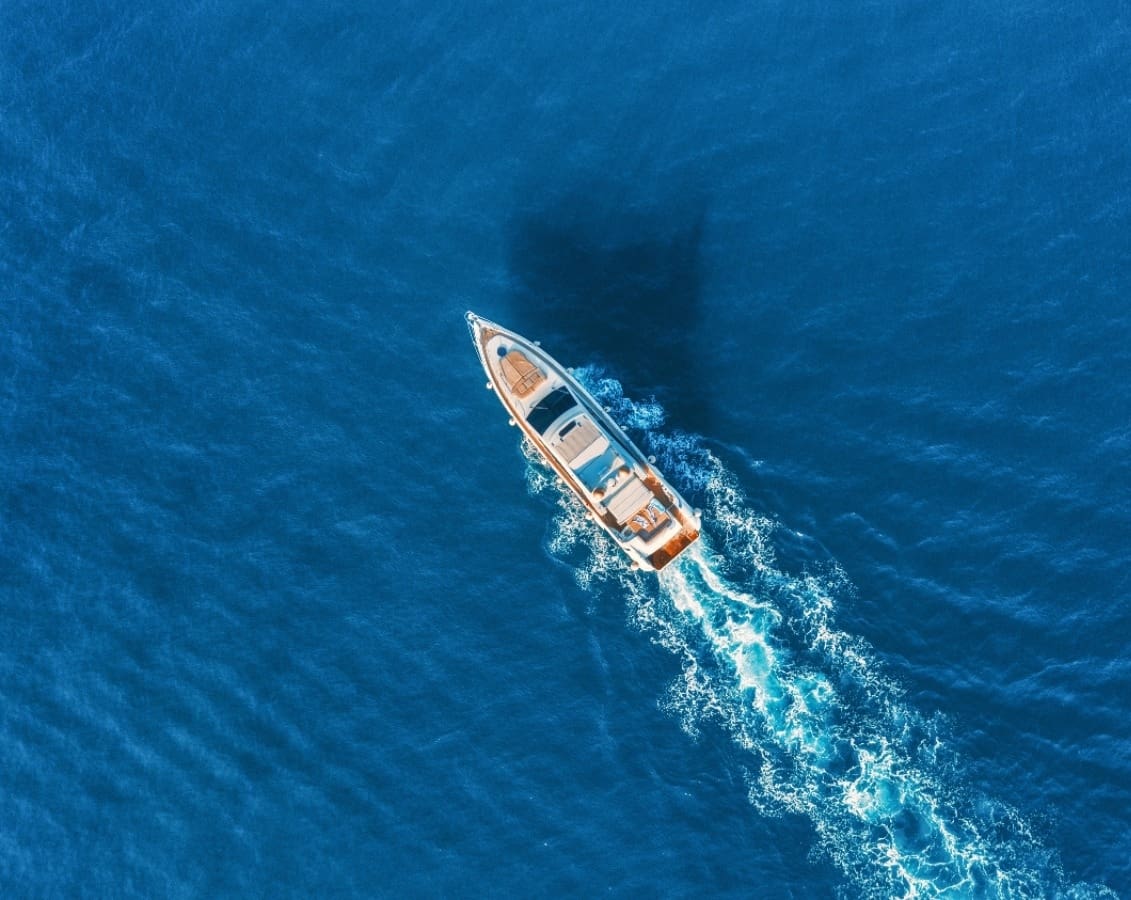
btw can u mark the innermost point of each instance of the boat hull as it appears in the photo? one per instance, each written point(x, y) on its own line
point(591, 454)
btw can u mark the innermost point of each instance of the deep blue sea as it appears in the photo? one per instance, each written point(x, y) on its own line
point(288, 611)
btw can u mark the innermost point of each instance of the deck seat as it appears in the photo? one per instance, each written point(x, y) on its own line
point(580, 435)
point(628, 498)
point(649, 519)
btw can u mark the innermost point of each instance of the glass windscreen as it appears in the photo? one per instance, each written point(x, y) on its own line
point(550, 408)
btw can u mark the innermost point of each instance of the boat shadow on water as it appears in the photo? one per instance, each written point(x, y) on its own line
point(601, 278)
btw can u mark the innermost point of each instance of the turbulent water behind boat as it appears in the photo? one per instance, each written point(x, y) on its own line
point(829, 736)
point(278, 614)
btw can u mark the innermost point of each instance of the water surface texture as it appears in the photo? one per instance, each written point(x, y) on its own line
point(287, 610)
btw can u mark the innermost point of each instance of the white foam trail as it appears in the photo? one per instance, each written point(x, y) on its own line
point(830, 736)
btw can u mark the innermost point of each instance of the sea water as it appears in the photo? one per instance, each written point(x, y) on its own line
point(287, 610)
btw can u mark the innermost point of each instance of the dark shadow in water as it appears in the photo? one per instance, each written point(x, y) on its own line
point(600, 277)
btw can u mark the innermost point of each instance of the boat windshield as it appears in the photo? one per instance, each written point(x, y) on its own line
point(551, 408)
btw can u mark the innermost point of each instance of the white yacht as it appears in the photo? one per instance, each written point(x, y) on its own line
point(621, 490)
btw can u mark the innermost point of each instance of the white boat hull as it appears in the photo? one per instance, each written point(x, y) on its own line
point(595, 459)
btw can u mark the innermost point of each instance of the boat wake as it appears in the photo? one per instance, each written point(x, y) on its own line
point(828, 735)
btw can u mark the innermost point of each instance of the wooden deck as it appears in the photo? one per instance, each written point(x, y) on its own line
point(673, 548)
